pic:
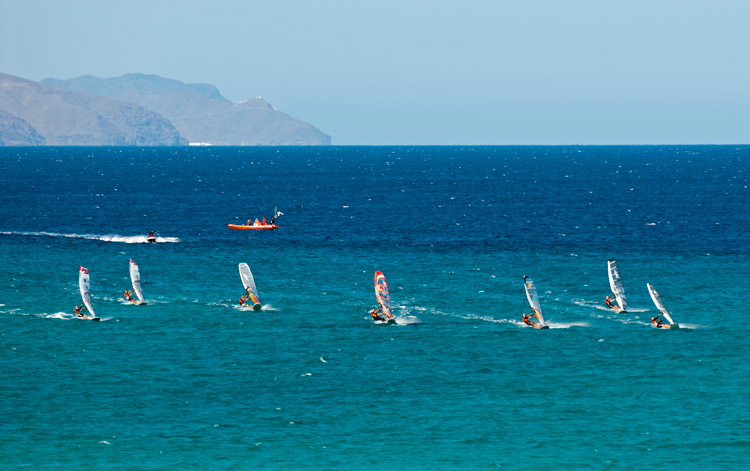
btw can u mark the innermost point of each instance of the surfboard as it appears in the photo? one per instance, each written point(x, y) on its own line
point(533, 298)
point(656, 298)
point(84, 286)
point(383, 295)
point(249, 283)
point(135, 278)
point(615, 284)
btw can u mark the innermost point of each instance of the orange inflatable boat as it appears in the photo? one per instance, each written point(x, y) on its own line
point(253, 227)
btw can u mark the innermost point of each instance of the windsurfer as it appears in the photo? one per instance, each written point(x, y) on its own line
point(244, 298)
point(658, 321)
point(129, 295)
point(375, 313)
point(608, 302)
point(527, 320)
point(78, 309)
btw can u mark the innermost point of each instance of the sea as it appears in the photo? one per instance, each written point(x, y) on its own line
point(192, 381)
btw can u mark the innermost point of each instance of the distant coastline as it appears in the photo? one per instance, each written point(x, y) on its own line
point(140, 110)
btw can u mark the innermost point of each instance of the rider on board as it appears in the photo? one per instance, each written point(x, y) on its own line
point(375, 313)
point(527, 318)
point(658, 321)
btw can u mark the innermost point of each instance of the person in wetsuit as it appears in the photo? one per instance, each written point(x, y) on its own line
point(527, 318)
point(375, 313)
point(658, 321)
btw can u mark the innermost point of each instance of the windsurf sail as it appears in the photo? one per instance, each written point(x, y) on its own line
point(135, 277)
point(533, 298)
point(83, 284)
point(249, 283)
point(656, 297)
point(615, 283)
point(383, 295)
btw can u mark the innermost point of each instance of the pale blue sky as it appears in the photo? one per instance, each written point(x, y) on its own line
point(423, 72)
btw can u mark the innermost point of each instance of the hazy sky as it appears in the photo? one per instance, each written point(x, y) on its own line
point(423, 72)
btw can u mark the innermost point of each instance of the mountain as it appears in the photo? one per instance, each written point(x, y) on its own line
point(200, 112)
point(34, 113)
point(14, 131)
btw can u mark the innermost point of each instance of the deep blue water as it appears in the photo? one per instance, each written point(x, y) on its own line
point(189, 381)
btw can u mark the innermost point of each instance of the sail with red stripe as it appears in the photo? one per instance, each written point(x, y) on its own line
point(383, 295)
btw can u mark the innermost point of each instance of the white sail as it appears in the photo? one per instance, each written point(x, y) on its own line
point(533, 298)
point(656, 297)
point(249, 283)
point(83, 284)
point(615, 283)
point(135, 277)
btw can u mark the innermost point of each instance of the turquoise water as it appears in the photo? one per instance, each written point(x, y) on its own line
point(190, 381)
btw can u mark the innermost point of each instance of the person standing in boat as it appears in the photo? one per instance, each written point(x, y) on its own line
point(264, 221)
